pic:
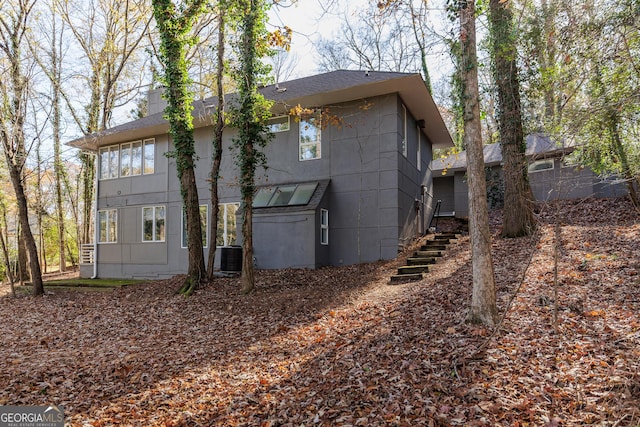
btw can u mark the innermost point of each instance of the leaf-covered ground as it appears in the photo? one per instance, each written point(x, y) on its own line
point(340, 346)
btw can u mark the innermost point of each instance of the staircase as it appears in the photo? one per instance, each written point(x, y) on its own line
point(422, 259)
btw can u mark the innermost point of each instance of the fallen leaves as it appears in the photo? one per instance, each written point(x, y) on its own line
point(338, 346)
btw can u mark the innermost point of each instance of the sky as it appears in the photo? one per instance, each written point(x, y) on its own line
point(308, 23)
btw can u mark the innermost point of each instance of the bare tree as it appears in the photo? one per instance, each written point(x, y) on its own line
point(14, 23)
point(483, 301)
point(109, 34)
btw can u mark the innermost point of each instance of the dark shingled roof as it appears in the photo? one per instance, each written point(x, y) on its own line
point(538, 146)
point(313, 91)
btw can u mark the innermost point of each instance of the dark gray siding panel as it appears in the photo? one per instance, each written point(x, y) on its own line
point(443, 190)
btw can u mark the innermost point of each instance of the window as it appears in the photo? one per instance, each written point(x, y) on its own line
point(278, 124)
point(419, 151)
point(403, 129)
point(324, 227)
point(131, 158)
point(149, 155)
point(309, 139)
point(127, 159)
point(153, 221)
point(226, 234)
point(204, 223)
point(108, 226)
point(541, 165)
point(284, 195)
point(109, 162)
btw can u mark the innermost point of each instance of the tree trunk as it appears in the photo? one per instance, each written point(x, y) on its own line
point(217, 147)
point(173, 28)
point(5, 250)
point(483, 302)
point(518, 205)
point(247, 279)
point(27, 235)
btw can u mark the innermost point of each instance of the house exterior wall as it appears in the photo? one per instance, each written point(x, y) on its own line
point(561, 182)
point(373, 197)
point(443, 188)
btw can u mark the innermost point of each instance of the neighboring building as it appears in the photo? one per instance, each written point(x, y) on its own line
point(551, 177)
point(330, 196)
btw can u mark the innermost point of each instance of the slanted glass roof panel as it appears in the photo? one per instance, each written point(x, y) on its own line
point(303, 194)
point(285, 195)
point(282, 195)
point(262, 197)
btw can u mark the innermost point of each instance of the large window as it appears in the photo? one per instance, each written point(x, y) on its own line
point(131, 158)
point(310, 139)
point(109, 162)
point(108, 226)
point(278, 124)
point(204, 222)
point(153, 223)
point(149, 155)
point(226, 234)
point(128, 159)
point(324, 227)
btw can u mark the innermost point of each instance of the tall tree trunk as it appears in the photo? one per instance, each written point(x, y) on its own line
point(217, 146)
point(247, 278)
point(58, 168)
point(12, 124)
point(483, 302)
point(27, 235)
point(518, 204)
point(174, 24)
point(250, 121)
point(22, 268)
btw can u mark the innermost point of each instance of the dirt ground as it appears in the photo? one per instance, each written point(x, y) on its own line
point(341, 347)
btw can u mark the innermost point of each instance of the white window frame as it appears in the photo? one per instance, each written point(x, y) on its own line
point(114, 159)
point(112, 163)
point(225, 225)
point(149, 161)
point(154, 237)
point(317, 142)
point(324, 227)
point(419, 149)
point(111, 217)
point(205, 232)
point(532, 165)
point(404, 143)
point(276, 124)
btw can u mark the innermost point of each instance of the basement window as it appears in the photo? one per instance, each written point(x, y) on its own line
point(284, 195)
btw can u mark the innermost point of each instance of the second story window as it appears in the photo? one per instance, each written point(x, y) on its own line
point(309, 139)
point(128, 159)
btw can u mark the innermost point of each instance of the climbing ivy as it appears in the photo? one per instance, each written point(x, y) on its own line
point(174, 26)
point(250, 116)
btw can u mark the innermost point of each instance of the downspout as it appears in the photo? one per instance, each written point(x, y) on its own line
point(95, 222)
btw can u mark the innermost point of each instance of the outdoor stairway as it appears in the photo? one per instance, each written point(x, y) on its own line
point(421, 260)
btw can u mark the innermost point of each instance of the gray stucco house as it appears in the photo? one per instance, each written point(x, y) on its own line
point(550, 174)
point(338, 195)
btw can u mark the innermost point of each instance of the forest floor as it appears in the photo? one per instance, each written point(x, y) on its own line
point(340, 346)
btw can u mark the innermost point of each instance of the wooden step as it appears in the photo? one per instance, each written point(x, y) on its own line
point(411, 269)
point(403, 278)
point(419, 260)
point(427, 254)
point(433, 247)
